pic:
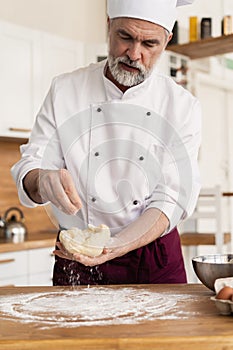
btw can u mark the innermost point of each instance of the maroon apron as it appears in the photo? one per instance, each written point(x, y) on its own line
point(160, 261)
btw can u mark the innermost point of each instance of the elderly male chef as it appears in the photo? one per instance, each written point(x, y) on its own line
point(116, 143)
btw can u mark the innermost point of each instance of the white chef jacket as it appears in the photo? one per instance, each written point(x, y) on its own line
point(126, 152)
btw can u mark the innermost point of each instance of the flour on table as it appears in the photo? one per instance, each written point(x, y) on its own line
point(94, 306)
point(90, 241)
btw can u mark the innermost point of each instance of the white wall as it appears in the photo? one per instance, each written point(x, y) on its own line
point(83, 20)
point(215, 9)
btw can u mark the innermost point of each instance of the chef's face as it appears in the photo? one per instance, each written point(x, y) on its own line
point(134, 47)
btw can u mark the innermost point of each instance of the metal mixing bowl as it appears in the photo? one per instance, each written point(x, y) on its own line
point(210, 267)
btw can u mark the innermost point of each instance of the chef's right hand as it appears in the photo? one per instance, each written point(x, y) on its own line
point(55, 186)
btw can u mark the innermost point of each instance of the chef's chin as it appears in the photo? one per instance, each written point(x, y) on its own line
point(126, 78)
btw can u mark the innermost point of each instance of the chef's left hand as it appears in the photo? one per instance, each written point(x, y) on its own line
point(114, 249)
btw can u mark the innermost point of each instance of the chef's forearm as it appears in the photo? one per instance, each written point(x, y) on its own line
point(31, 185)
point(149, 226)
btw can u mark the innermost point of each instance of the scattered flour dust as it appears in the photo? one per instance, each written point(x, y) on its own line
point(94, 306)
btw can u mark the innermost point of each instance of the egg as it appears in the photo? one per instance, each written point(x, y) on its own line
point(226, 293)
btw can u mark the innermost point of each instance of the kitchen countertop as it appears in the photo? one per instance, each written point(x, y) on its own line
point(191, 321)
point(40, 239)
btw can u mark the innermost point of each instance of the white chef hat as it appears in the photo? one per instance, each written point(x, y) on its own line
point(162, 12)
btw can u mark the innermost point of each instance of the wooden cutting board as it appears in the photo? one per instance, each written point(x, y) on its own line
point(193, 322)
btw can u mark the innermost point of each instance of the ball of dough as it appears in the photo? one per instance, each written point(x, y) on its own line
point(90, 241)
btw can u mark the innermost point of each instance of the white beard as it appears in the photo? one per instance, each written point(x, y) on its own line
point(126, 78)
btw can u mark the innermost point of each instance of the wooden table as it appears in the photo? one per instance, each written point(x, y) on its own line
point(199, 327)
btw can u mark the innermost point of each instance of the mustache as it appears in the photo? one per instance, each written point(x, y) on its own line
point(131, 63)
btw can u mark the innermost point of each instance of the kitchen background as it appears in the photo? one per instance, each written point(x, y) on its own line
point(40, 39)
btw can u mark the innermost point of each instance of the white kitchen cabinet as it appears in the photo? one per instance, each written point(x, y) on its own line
point(13, 268)
point(40, 266)
point(15, 281)
point(40, 279)
point(18, 70)
point(27, 267)
point(29, 60)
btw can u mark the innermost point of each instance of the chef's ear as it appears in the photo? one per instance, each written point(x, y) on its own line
point(169, 38)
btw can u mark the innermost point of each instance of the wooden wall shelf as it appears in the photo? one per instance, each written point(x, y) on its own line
point(205, 47)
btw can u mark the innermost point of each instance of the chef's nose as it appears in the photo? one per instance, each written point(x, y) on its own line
point(134, 51)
